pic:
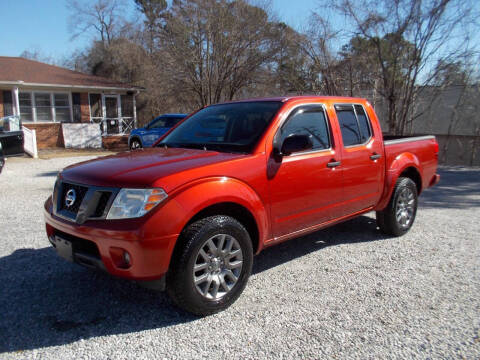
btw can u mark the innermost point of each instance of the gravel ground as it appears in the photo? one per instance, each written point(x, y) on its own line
point(345, 292)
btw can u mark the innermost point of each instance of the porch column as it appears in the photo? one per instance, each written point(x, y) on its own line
point(134, 110)
point(16, 109)
point(119, 114)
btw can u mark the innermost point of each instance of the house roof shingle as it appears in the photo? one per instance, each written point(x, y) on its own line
point(18, 70)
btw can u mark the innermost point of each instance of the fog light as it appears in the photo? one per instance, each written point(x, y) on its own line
point(126, 258)
point(120, 257)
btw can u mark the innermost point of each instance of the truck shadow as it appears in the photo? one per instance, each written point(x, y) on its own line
point(46, 301)
point(357, 230)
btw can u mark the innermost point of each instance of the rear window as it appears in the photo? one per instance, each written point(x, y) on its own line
point(363, 123)
point(354, 124)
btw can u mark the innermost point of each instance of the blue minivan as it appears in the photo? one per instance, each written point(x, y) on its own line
point(146, 136)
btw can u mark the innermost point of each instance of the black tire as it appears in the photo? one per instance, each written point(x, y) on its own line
point(135, 144)
point(180, 277)
point(387, 219)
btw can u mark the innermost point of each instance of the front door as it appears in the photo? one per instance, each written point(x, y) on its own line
point(362, 159)
point(304, 186)
point(111, 114)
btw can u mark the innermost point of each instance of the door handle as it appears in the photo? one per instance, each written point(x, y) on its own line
point(375, 156)
point(333, 163)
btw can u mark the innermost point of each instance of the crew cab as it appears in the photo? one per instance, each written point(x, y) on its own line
point(230, 180)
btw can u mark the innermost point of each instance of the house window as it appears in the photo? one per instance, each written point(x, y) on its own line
point(127, 105)
point(95, 106)
point(25, 102)
point(44, 106)
point(62, 107)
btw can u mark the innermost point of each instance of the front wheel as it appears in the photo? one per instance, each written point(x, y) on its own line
point(398, 217)
point(135, 144)
point(210, 265)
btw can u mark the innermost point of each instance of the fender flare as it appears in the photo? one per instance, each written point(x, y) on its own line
point(211, 191)
point(398, 166)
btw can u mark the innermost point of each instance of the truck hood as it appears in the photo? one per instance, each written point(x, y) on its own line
point(141, 168)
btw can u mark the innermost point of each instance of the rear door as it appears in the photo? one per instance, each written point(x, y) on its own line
point(362, 159)
point(303, 186)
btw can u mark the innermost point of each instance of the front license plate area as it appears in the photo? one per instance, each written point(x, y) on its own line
point(64, 248)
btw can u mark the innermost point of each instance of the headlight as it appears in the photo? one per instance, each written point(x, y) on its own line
point(133, 203)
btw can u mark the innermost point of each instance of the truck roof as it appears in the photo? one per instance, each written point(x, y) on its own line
point(299, 97)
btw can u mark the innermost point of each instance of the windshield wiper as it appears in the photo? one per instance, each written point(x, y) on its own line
point(220, 147)
point(182, 145)
point(225, 147)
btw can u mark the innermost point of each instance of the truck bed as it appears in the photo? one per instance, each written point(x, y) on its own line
point(397, 139)
point(424, 149)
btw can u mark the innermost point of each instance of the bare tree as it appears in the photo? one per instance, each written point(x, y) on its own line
point(153, 11)
point(216, 47)
point(38, 55)
point(103, 19)
point(318, 48)
point(406, 37)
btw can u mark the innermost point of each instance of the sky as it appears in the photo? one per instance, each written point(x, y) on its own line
point(42, 25)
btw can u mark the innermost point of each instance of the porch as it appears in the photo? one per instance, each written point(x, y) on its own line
point(45, 111)
point(47, 98)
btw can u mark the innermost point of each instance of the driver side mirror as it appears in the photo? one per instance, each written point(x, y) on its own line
point(295, 143)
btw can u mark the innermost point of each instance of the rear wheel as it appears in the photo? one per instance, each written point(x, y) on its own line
point(135, 144)
point(398, 217)
point(211, 265)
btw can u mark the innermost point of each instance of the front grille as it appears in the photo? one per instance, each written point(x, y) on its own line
point(97, 201)
point(102, 203)
point(80, 192)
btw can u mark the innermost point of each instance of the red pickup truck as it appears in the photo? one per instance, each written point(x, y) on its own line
point(230, 180)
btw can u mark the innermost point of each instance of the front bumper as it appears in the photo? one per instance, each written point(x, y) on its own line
point(100, 244)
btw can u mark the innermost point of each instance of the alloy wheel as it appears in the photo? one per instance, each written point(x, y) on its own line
point(218, 266)
point(405, 207)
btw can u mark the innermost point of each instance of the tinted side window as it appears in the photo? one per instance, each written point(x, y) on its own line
point(311, 121)
point(175, 121)
point(158, 123)
point(363, 123)
point(348, 125)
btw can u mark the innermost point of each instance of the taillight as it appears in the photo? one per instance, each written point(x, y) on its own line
point(436, 148)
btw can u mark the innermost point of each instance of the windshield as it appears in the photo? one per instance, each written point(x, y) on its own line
point(164, 122)
point(234, 127)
